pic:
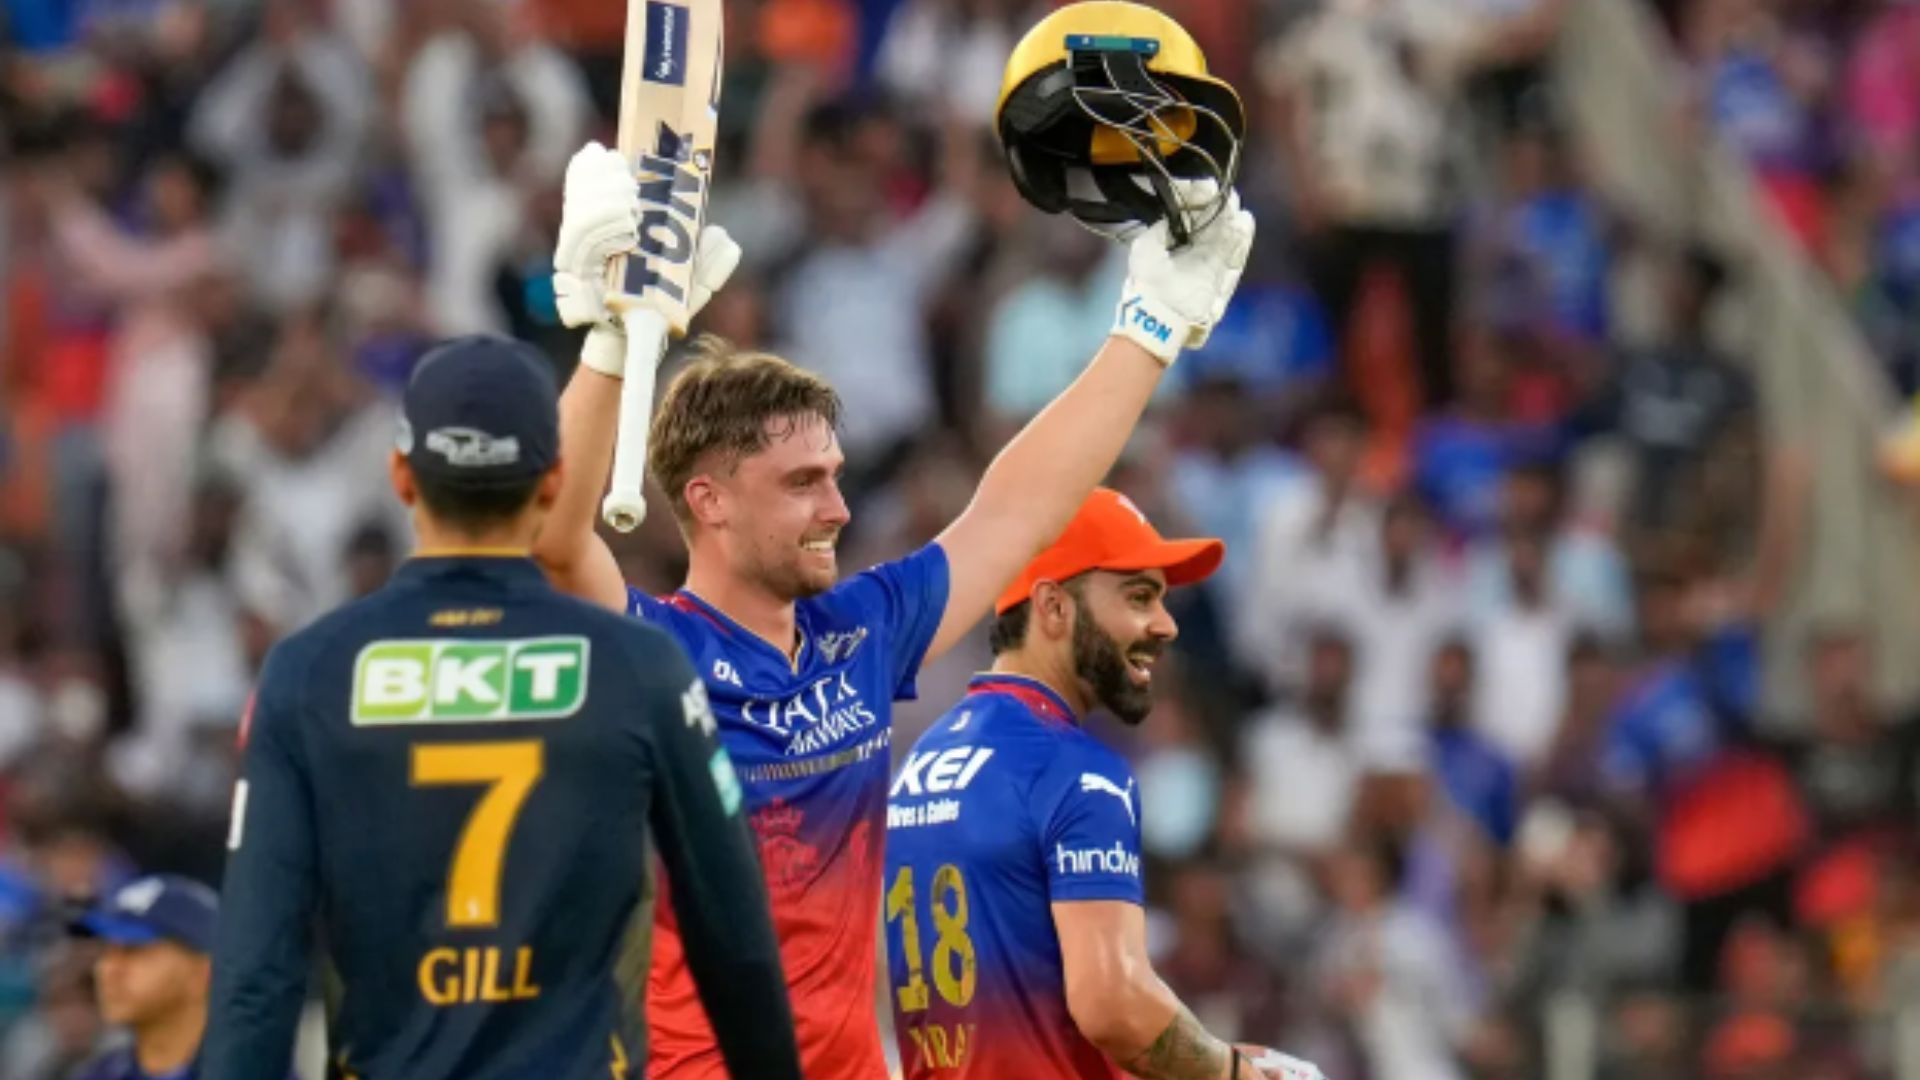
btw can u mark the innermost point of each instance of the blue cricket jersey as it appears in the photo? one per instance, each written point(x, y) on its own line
point(812, 741)
point(1005, 806)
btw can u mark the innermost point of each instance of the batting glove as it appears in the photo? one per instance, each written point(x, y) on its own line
point(715, 257)
point(1173, 299)
point(599, 218)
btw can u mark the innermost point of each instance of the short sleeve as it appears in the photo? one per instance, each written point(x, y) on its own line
point(1090, 828)
point(642, 606)
point(911, 596)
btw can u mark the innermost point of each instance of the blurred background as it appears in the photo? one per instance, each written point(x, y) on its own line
point(1553, 715)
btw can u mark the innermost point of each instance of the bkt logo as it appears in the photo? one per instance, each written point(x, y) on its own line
point(426, 680)
point(1133, 314)
point(1114, 860)
point(937, 772)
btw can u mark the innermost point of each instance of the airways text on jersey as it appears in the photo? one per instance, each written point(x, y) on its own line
point(817, 718)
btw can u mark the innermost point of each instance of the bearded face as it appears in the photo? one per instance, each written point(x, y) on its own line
point(1119, 632)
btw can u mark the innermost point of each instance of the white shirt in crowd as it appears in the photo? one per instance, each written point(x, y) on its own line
point(856, 314)
point(1378, 133)
point(474, 214)
point(279, 211)
point(299, 513)
point(1395, 636)
point(1423, 1007)
point(935, 57)
point(1520, 679)
point(1300, 572)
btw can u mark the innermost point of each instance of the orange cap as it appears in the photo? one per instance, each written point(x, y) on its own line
point(1110, 533)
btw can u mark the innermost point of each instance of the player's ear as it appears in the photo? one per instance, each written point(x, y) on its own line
point(1052, 609)
point(548, 491)
point(400, 474)
point(705, 500)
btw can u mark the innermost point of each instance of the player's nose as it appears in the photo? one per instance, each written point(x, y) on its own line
point(1162, 627)
point(833, 508)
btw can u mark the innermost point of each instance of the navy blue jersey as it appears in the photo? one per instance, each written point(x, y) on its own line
point(1005, 806)
point(455, 778)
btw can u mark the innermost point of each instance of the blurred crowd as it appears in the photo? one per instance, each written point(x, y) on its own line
point(1464, 759)
point(1821, 99)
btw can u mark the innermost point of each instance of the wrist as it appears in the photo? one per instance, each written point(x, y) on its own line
point(605, 350)
point(1152, 325)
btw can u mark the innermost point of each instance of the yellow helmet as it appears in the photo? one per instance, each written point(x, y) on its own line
point(1104, 105)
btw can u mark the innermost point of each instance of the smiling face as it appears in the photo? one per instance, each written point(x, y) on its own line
point(1120, 629)
point(778, 512)
point(744, 444)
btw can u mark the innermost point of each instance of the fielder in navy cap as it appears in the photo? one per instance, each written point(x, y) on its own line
point(157, 908)
point(481, 414)
point(152, 975)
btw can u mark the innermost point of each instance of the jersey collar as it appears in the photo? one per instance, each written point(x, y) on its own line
point(1039, 698)
point(688, 600)
point(516, 567)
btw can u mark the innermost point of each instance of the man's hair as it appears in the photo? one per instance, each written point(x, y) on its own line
point(474, 510)
point(1009, 628)
point(729, 401)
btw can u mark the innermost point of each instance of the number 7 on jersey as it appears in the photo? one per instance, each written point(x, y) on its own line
point(669, 110)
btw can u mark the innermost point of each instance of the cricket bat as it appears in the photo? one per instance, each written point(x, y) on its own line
point(669, 109)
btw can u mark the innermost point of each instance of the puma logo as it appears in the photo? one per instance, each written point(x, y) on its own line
point(1096, 782)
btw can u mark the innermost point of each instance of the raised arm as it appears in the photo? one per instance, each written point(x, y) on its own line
point(1171, 301)
point(600, 220)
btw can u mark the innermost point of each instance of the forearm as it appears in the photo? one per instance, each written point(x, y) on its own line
point(1038, 481)
point(1176, 1046)
point(567, 547)
point(1041, 476)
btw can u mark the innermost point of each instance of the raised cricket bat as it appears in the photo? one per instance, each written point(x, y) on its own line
point(669, 108)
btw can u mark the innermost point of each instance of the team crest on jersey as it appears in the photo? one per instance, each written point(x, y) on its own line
point(790, 861)
point(836, 647)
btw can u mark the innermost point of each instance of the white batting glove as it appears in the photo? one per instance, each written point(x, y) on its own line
point(599, 218)
point(716, 256)
point(1173, 299)
point(1275, 1065)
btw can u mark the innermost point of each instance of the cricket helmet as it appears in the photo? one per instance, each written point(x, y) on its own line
point(1106, 108)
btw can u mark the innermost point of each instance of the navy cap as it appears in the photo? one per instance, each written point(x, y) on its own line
point(162, 907)
point(481, 412)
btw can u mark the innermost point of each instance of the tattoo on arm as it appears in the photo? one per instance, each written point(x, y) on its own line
point(1184, 1051)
